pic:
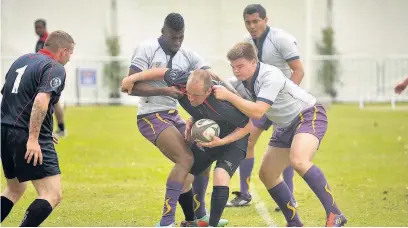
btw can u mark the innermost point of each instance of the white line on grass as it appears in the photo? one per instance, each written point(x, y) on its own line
point(261, 208)
point(385, 108)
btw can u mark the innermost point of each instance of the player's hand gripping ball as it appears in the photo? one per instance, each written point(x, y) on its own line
point(204, 130)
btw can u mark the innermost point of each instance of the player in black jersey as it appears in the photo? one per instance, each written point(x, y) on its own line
point(33, 85)
point(198, 100)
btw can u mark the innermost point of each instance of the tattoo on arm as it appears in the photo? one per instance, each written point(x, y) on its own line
point(38, 114)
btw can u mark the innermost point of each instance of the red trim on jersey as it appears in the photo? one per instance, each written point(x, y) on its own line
point(43, 38)
point(182, 88)
point(47, 53)
point(208, 104)
point(179, 85)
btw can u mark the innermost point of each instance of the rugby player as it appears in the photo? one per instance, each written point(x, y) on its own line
point(200, 103)
point(278, 48)
point(33, 86)
point(158, 120)
point(301, 123)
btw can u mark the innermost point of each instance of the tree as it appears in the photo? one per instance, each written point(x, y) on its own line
point(113, 71)
point(328, 71)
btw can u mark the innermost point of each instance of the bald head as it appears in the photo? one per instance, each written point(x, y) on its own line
point(202, 78)
point(199, 87)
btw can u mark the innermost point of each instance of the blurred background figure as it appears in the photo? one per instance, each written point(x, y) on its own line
point(42, 33)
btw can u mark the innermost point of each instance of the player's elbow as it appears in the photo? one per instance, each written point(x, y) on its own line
point(259, 110)
point(43, 99)
point(298, 71)
point(139, 90)
point(257, 114)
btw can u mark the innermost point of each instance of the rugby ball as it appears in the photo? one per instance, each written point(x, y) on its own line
point(204, 130)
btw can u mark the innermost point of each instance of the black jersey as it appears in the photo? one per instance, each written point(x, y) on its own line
point(29, 75)
point(227, 116)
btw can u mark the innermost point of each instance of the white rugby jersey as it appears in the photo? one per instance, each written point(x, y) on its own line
point(276, 47)
point(152, 54)
point(270, 85)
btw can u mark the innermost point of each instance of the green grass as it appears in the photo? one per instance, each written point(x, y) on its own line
point(113, 177)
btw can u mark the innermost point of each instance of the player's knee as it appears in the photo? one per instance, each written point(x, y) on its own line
point(299, 163)
point(269, 179)
point(262, 175)
point(58, 198)
point(52, 194)
point(265, 175)
point(295, 161)
point(186, 161)
point(221, 177)
point(187, 183)
point(19, 189)
point(15, 192)
point(55, 198)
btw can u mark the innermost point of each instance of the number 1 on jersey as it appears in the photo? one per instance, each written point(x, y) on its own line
point(20, 72)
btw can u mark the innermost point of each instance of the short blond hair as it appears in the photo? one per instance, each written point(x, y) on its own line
point(244, 50)
point(58, 39)
point(207, 77)
point(204, 76)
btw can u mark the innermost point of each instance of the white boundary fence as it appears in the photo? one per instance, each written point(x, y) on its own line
point(362, 79)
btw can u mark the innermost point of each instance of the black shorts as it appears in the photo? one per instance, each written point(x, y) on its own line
point(13, 149)
point(228, 157)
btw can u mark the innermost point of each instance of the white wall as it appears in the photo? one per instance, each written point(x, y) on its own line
point(370, 27)
point(375, 27)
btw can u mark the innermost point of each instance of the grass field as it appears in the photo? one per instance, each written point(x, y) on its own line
point(114, 177)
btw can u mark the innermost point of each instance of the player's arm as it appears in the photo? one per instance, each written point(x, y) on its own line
point(269, 90)
point(288, 48)
point(298, 72)
point(244, 127)
point(172, 77)
point(239, 119)
point(155, 74)
point(145, 89)
point(52, 81)
point(187, 132)
point(140, 61)
point(405, 82)
point(238, 134)
point(134, 85)
point(38, 113)
point(401, 86)
point(251, 109)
